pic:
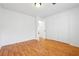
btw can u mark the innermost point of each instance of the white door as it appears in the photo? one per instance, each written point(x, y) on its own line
point(41, 29)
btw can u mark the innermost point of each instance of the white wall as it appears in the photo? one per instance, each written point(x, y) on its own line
point(15, 27)
point(64, 26)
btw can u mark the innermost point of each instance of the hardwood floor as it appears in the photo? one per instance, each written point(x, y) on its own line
point(39, 48)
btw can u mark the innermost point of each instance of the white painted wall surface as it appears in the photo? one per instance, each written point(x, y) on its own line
point(15, 27)
point(64, 26)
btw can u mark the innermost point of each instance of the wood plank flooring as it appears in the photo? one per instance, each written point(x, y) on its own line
point(44, 47)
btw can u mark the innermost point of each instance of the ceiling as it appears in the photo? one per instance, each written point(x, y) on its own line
point(46, 9)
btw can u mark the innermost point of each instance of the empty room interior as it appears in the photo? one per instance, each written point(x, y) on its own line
point(39, 29)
